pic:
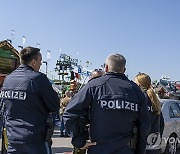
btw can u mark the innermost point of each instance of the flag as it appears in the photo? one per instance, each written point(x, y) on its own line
point(37, 45)
point(12, 33)
point(24, 40)
point(48, 55)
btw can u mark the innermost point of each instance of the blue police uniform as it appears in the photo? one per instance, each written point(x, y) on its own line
point(113, 105)
point(157, 128)
point(28, 98)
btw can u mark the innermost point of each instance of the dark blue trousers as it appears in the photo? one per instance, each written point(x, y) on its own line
point(36, 148)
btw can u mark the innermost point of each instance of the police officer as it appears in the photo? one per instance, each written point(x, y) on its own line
point(113, 105)
point(157, 122)
point(28, 98)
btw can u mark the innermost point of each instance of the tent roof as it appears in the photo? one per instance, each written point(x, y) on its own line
point(8, 46)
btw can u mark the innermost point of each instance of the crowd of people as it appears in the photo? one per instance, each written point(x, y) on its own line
point(110, 114)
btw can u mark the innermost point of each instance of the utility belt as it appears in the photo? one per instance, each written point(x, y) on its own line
point(133, 140)
point(49, 129)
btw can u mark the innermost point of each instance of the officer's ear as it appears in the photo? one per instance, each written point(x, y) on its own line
point(32, 63)
point(124, 70)
point(106, 68)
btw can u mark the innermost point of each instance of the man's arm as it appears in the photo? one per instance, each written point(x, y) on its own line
point(48, 94)
point(144, 126)
point(76, 116)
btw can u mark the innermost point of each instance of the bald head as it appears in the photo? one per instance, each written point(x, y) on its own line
point(115, 63)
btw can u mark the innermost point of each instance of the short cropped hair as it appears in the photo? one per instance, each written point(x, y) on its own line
point(116, 62)
point(28, 54)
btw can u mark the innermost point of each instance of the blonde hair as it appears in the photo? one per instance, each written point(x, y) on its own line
point(144, 82)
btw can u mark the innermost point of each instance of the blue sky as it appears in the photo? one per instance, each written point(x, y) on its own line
point(146, 32)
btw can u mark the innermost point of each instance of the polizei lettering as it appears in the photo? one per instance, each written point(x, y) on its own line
point(117, 104)
point(150, 108)
point(10, 94)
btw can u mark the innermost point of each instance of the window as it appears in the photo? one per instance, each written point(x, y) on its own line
point(174, 111)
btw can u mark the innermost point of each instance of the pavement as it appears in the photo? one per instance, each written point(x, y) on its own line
point(61, 145)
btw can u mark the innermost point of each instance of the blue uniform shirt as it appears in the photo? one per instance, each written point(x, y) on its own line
point(28, 98)
point(112, 104)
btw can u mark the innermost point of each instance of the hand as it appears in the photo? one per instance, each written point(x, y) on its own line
point(88, 144)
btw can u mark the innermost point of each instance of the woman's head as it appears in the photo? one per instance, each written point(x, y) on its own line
point(144, 82)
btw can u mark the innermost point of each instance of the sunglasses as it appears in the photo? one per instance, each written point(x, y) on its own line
point(98, 70)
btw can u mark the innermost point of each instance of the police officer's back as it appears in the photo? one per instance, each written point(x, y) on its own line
point(29, 98)
point(113, 105)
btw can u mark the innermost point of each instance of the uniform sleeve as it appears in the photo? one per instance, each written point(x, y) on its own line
point(1, 107)
point(48, 94)
point(144, 126)
point(76, 116)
